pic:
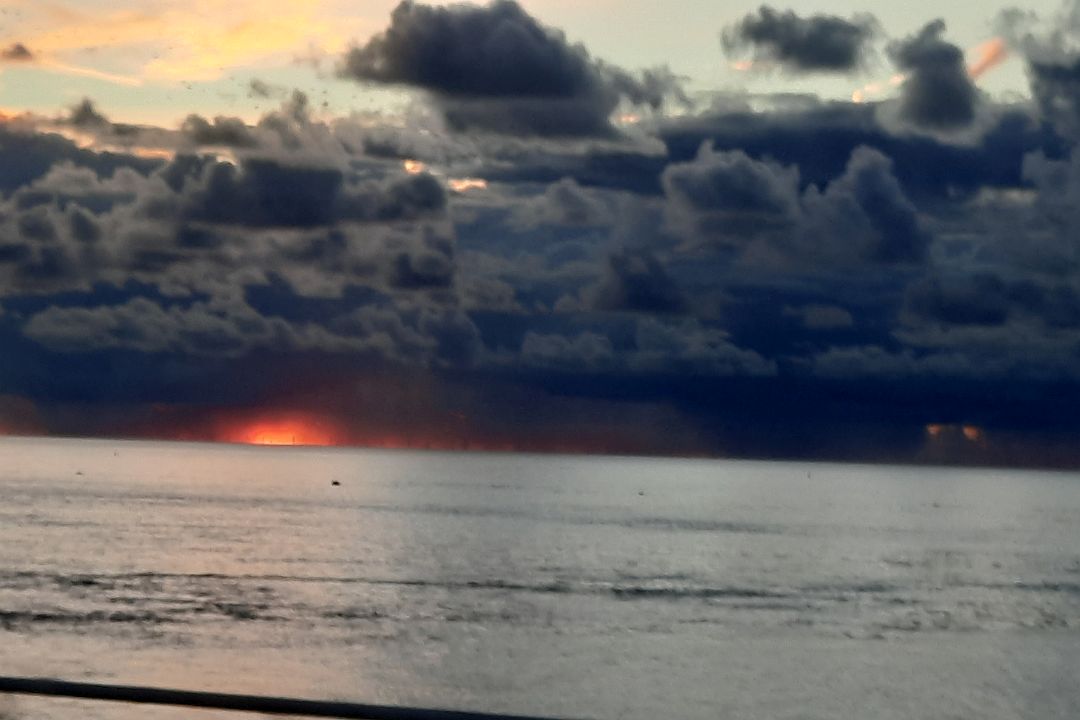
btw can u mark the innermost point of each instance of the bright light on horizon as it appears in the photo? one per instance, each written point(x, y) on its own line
point(298, 430)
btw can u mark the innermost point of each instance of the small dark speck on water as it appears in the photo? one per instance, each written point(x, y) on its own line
point(335, 483)
point(78, 472)
point(641, 492)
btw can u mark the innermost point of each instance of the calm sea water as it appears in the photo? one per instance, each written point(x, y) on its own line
point(578, 587)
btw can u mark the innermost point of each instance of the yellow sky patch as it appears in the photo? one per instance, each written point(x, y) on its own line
point(191, 41)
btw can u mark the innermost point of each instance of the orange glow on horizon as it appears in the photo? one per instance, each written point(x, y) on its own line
point(972, 433)
point(296, 430)
point(414, 167)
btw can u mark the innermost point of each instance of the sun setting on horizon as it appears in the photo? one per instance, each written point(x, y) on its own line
point(296, 430)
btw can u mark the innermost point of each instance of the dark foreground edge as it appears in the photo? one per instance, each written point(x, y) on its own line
point(243, 703)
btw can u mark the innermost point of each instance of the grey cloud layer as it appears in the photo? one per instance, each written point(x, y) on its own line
point(731, 201)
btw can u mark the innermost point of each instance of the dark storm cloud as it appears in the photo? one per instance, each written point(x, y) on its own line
point(225, 131)
point(16, 52)
point(819, 43)
point(233, 329)
point(632, 170)
point(51, 230)
point(265, 192)
point(986, 299)
point(145, 326)
point(1025, 238)
point(868, 205)
point(938, 93)
point(690, 348)
point(497, 50)
point(728, 201)
point(637, 282)
point(678, 346)
point(182, 243)
point(1048, 223)
point(1048, 45)
point(431, 265)
point(1021, 266)
point(975, 300)
point(564, 203)
point(586, 351)
point(44, 250)
point(198, 225)
point(729, 197)
point(819, 140)
point(1053, 62)
point(495, 67)
point(653, 87)
point(1056, 87)
point(293, 130)
point(801, 281)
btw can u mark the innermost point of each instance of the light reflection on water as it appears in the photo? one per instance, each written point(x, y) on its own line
point(595, 587)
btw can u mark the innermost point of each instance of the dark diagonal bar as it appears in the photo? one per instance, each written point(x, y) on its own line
point(242, 703)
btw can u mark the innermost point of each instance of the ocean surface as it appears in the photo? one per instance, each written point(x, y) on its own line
point(574, 587)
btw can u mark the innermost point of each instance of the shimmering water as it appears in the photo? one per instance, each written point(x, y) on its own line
point(579, 587)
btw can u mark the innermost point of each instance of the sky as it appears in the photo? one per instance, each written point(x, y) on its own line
point(832, 231)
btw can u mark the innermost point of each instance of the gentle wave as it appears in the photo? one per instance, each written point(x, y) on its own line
point(659, 523)
point(858, 608)
point(11, 619)
point(625, 587)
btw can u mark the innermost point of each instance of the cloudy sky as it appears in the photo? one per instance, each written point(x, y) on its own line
point(843, 230)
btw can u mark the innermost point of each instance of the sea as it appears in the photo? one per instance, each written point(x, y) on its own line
point(565, 586)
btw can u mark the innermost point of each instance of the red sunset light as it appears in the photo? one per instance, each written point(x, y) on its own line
point(293, 430)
